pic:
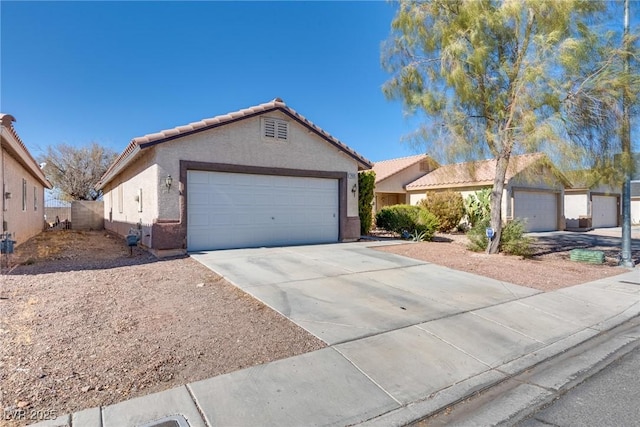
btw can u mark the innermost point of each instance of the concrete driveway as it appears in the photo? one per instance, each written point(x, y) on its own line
point(343, 292)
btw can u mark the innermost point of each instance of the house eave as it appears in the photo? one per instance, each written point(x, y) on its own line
point(117, 168)
point(17, 148)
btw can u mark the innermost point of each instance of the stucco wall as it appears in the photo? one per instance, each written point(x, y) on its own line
point(635, 210)
point(576, 205)
point(241, 143)
point(121, 209)
point(395, 183)
point(30, 221)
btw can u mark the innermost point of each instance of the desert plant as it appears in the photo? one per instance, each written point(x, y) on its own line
point(418, 237)
point(477, 236)
point(407, 219)
point(512, 242)
point(366, 185)
point(477, 206)
point(447, 206)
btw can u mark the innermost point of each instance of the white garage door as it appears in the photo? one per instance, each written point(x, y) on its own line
point(604, 211)
point(538, 208)
point(234, 210)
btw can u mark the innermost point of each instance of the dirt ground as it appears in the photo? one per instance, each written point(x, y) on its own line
point(548, 269)
point(83, 324)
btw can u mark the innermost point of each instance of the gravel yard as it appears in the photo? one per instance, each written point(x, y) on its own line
point(548, 269)
point(83, 324)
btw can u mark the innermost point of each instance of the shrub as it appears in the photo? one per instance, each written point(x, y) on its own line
point(512, 240)
point(478, 240)
point(366, 185)
point(447, 206)
point(409, 219)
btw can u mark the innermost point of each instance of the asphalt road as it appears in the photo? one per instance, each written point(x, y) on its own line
point(609, 398)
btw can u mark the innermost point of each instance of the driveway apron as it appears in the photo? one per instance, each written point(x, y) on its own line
point(343, 292)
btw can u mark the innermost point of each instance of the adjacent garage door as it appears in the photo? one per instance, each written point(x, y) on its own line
point(235, 210)
point(604, 211)
point(538, 208)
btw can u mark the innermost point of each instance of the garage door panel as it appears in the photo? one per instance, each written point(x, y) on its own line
point(539, 210)
point(228, 210)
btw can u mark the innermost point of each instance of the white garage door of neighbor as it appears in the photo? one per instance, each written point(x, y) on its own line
point(538, 208)
point(236, 210)
point(604, 211)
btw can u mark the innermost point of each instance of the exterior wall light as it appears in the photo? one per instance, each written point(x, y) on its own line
point(168, 181)
point(354, 189)
point(7, 195)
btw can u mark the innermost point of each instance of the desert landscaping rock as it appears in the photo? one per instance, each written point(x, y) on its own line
point(547, 270)
point(85, 325)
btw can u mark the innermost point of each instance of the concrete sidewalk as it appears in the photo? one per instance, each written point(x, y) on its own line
point(393, 377)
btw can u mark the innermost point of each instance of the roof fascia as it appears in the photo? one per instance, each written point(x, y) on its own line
point(24, 157)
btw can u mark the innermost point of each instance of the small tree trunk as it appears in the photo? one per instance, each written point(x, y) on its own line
point(496, 202)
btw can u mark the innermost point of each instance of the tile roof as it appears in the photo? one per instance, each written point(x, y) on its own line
point(6, 120)
point(472, 173)
point(385, 168)
point(152, 139)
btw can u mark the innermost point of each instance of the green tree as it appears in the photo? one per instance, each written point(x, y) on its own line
point(366, 187)
point(497, 77)
point(75, 170)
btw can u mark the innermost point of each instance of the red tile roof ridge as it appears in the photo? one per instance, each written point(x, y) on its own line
point(276, 103)
point(403, 158)
point(7, 121)
point(478, 172)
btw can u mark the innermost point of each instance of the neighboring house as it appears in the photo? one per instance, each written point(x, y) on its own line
point(534, 188)
point(393, 175)
point(23, 184)
point(261, 176)
point(635, 202)
point(596, 207)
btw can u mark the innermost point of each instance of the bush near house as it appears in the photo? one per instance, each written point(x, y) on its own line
point(366, 186)
point(447, 206)
point(404, 219)
point(512, 242)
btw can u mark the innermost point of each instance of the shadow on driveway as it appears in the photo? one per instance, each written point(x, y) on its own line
point(565, 241)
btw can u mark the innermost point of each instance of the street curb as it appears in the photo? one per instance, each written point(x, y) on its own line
point(528, 383)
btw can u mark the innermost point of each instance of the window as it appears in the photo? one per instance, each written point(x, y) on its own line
point(35, 198)
point(24, 194)
point(120, 198)
point(274, 129)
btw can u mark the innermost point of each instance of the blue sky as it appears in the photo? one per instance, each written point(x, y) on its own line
point(78, 72)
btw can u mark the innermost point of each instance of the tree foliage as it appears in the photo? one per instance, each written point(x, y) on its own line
point(496, 78)
point(75, 170)
point(366, 186)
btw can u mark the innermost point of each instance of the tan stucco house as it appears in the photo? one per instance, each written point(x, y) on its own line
point(534, 188)
point(596, 207)
point(23, 184)
point(393, 175)
point(261, 176)
point(635, 202)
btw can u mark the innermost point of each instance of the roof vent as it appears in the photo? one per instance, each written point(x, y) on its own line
point(274, 129)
